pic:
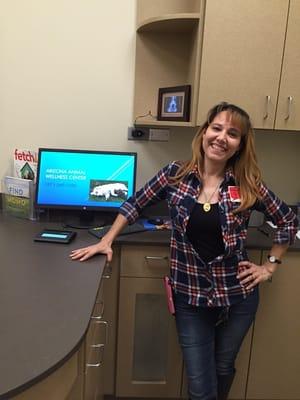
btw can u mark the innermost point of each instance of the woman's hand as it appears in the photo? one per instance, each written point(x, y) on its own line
point(87, 252)
point(251, 274)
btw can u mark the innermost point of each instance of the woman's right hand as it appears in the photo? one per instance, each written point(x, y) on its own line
point(104, 246)
point(87, 252)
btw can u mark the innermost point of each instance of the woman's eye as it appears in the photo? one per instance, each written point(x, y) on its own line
point(233, 134)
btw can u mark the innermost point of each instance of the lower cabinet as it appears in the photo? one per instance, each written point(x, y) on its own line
point(60, 385)
point(110, 282)
point(275, 356)
point(96, 340)
point(149, 362)
point(81, 377)
point(90, 383)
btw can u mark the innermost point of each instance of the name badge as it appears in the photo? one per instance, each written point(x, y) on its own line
point(234, 194)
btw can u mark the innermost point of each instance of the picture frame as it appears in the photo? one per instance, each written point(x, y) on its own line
point(174, 103)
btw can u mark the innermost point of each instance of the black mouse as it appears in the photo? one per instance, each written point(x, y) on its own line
point(155, 221)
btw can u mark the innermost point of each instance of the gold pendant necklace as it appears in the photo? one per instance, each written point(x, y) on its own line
point(207, 206)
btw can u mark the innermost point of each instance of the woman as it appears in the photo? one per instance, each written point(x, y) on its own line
point(215, 285)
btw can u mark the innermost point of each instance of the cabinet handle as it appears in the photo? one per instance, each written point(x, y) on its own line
point(100, 316)
point(147, 258)
point(268, 100)
point(98, 346)
point(105, 323)
point(97, 365)
point(107, 272)
point(290, 99)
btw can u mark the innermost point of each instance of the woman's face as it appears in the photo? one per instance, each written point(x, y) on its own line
point(222, 139)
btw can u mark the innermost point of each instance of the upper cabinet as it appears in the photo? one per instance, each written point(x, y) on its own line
point(243, 44)
point(168, 45)
point(244, 52)
point(288, 112)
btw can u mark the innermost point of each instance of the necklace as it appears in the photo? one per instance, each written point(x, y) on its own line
point(207, 205)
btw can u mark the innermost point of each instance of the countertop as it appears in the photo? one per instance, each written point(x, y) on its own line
point(46, 301)
point(257, 238)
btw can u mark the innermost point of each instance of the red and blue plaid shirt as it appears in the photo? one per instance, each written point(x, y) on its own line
point(214, 283)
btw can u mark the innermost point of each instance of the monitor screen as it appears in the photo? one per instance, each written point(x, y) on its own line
point(84, 179)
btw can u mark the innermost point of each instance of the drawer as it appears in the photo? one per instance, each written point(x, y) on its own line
point(145, 261)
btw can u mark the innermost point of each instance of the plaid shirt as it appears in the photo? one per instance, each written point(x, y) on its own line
point(214, 283)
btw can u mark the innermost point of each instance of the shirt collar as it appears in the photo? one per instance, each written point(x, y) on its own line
point(228, 178)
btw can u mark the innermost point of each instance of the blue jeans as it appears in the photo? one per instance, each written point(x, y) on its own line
point(210, 339)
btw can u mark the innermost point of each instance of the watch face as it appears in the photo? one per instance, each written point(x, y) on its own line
point(273, 259)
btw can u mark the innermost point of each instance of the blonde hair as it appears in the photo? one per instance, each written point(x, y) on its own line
point(243, 164)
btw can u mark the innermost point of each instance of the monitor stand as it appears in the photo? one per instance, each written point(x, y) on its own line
point(86, 220)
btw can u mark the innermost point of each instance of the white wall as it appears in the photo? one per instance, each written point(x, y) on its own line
point(67, 77)
point(66, 80)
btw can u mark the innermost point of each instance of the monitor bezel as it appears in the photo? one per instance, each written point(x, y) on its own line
point(99, 208)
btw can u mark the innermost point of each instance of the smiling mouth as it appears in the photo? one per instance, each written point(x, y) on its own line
point(217, 147)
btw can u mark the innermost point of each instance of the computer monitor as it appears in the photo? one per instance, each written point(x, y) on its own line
point(84, 180)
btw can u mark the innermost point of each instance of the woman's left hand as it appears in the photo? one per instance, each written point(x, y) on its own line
point(251, 274)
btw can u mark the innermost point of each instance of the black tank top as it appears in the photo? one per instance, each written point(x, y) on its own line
point(204, 232)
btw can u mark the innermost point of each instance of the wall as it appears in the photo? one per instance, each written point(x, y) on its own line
point(66, 79)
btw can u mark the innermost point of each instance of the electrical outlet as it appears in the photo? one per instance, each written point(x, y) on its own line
point(138, 133)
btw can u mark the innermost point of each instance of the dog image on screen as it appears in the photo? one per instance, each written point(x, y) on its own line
point(110, 191)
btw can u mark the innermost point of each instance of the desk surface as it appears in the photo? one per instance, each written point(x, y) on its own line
point(46, 300)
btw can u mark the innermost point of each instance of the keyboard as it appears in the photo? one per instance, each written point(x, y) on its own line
point(100, 231)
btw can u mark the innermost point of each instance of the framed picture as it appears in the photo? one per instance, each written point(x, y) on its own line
point(174, 103)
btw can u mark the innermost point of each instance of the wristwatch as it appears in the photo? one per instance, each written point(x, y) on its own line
point(274, 260)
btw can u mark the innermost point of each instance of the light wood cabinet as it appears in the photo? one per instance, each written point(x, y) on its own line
point(110, 282)
point(95, 342)
point(243, 52)
point(149, 362)
point(288, 112)
point(59, 384)
point(275, 356)
point(243, 44)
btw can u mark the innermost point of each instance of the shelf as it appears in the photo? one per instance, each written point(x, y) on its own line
point(148, 122)
point(170, 23)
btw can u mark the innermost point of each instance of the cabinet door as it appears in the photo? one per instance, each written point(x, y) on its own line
point(110, 282)
point(149, 362)
point(242, 55)
point(96, 340)
point(288, 113)
point(275, 358)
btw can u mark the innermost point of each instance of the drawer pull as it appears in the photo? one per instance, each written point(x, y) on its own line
point(98, 346)
point(97, 365)
point(100, 316)
point(163, 258)
point(105, 323)
point(107, 272)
